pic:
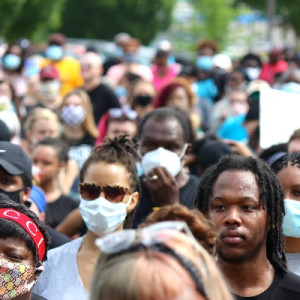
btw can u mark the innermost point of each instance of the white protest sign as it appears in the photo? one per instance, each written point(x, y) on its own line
point(279, 116)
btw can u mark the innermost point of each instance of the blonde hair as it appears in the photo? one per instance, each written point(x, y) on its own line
point(155, 275)
point(40, 113)
point(89, 124)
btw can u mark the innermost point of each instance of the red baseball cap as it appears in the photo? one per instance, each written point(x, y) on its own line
point(49, 72)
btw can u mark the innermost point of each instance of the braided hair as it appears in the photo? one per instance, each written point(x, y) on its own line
point(271, 197)
point(118, 150)
point(291, 158)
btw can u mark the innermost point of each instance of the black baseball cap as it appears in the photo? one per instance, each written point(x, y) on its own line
point(15, 161)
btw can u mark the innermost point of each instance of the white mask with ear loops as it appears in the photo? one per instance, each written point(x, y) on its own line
point(162, 157)
point(102, 216)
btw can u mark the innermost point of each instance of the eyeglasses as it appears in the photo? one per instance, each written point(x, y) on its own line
point(152, 237)
point(122, 240)
point(90, 191)
point(124, 111)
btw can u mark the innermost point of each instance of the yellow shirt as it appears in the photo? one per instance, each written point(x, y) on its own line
point(69, 73)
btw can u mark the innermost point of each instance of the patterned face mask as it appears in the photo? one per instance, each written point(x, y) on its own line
point(14, 278)
point(73, 115)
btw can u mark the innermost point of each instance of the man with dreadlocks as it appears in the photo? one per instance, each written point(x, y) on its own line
point(244, 199)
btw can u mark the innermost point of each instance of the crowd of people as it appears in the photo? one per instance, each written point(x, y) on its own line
point(126, 180)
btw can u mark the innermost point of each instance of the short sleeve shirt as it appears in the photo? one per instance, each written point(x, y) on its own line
point(286, 287)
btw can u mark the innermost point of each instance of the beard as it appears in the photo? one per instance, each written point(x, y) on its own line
point(250, 252)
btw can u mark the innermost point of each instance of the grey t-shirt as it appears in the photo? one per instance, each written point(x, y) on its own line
point(293, 262)
point(60, 279)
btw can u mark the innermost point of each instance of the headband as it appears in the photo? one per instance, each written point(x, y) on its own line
point(29, 226)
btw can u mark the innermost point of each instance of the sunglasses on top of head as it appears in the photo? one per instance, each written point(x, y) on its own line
point(122, 112)
point(113, 193)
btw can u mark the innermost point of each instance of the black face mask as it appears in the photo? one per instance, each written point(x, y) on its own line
point(143, 100)
point(14, 196)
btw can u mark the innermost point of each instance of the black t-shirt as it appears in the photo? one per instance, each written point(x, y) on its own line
point(56, 211)
point(286, 287)
point(56, 238)
point(103, 98)
point(85, 140)
point(187, 196)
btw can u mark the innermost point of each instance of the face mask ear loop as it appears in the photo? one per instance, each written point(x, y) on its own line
point(183, 150)
point(128, 203)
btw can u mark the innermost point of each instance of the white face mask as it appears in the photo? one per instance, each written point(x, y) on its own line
point(239, 108)
point(5, 103)
point(102, 216)
point(291, 220)
point(253, 73)
point(50, 90)
point(162, 157)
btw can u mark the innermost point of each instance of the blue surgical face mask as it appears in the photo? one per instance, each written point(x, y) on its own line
point(129, 57)
point(54, 53)
point(11, 61)
point(291, 220)
point(119, 52)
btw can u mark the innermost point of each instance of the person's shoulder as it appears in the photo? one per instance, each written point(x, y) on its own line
point(65, 248)
point(193, 180)
point(69, 199)
point(37, 297)
point(106, 89)
point(57, 239)
point(291, 282)
point(70, 59)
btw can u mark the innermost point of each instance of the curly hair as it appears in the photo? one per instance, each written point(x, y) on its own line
point(271, 197)
point(208, 44)
point(290, 158)
point(118, 150)
point(202, 228)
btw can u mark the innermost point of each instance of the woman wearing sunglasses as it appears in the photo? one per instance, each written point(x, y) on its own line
point(109, 193)
point(159, 262)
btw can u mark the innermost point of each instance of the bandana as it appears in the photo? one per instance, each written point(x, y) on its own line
point(29, 226)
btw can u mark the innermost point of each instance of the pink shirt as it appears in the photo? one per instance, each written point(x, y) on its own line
point(115, 73)
point(160, 82)
point(268, 71)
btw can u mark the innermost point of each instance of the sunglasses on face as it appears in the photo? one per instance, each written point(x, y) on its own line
point(90, 191)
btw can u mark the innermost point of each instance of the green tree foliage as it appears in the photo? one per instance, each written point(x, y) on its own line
point(288, 9)
point(33, 19)
point(214, 18)
point(102, 19)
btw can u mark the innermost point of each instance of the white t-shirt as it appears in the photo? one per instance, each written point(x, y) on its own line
point(60, 280)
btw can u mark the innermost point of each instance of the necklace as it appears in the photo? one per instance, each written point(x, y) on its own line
point(85, 252)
